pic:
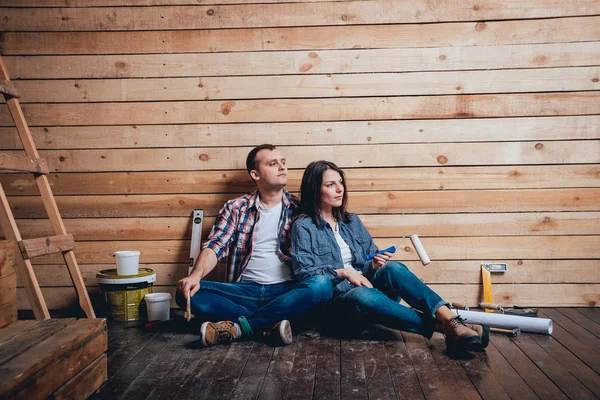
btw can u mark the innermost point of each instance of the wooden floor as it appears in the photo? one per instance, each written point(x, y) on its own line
point(168, 363)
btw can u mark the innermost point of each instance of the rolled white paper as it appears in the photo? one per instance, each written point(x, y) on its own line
point(420, 249)
point(505, 321)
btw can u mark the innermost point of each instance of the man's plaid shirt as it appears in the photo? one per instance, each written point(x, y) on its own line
point(232, 236)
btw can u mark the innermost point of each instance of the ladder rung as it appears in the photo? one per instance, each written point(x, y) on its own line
point(8, 89)
point(46, 245)
point(22, 162)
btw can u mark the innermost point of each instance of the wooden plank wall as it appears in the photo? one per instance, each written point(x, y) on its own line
point(472, 123)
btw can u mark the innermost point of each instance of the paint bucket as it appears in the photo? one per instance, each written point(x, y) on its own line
point(124, 293)
point(128, 262)
point(159, 306)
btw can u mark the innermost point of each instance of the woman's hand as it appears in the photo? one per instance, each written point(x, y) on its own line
point(354, 277)
point(381, 259)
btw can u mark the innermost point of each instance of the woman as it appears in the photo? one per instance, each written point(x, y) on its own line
point(327, 240)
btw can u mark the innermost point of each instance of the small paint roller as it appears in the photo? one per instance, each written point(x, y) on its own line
point(420, 249)
point(414, 238)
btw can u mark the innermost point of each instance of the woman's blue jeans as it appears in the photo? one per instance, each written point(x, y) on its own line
point(257, 307)
point(380, 304)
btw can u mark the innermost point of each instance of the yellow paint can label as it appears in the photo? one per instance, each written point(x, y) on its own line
point(124, 305)
point(124, 294)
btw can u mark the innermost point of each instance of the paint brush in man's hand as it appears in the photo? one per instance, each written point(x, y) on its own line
point(188, 310)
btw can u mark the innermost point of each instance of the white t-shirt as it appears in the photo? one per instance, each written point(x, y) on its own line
point(264, 266)
point(347, 256)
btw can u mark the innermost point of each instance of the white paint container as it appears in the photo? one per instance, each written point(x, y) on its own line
point(505, 321)
point(158, 306)
point(128, 262)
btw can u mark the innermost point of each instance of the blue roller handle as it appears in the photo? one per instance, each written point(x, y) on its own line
point(391, 249)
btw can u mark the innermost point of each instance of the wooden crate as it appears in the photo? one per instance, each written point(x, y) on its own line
point(8, 284)
point(60, 357)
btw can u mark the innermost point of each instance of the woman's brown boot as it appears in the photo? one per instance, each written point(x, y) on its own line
point(483, 331)
point(460, 336)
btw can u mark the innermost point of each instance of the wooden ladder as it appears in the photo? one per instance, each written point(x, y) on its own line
point(28, 249)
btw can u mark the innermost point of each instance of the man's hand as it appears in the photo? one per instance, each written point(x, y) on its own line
point(381, 259)
point(354, 277)
point(189, 284)
point(204, 264)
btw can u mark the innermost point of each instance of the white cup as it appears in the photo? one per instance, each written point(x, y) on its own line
point(159, 306)
point(128, 262)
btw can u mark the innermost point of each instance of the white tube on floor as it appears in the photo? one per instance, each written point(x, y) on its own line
point(505, 321)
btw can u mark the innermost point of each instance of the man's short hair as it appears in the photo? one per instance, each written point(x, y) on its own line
point(251, 159)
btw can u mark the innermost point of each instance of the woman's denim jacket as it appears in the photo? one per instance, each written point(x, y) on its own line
point(315, 251)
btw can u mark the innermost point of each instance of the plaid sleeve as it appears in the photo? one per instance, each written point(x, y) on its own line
point(222, 232)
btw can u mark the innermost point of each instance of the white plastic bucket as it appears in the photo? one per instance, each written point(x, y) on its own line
point(158, 306)
point(128, 262)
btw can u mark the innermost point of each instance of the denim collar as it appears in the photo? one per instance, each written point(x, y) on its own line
point(325, 224)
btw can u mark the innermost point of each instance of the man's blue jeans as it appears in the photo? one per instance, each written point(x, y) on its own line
point(380, 304)
point(257, 307)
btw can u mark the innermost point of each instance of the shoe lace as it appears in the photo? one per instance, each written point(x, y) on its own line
point(459, 320)
point(223, 332)
point(223, 335)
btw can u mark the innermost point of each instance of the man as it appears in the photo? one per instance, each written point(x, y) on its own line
point(253, 233)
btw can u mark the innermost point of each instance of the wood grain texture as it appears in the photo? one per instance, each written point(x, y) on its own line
point(8, 290)
point(581, 320)
point(276, 379)
point(31, 248)
point(541, 385)
point(584, 373)
point(364, 179)
point(504, 373)
point(296, 86)
point(70, 364)
point(552, 368)
point(394, 155)
point(310, 133)
point(107, 3)
point(65, 347)
point(8, 284)
point(390, 202)
point(474, 125)
point(18, 344)
point(258, 63)
point(443, 272)
point(480, 373)
point(21, 163)
point(8, 313)
point(438, 248)
point(281, 110)
point(584, 351)
point(286, 14)
point(86, 382)
point(7, 258)
point(485, 375)
point(490, 33)
point(476, 224)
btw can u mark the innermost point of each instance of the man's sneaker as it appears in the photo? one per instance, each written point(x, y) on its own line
point(212, 333)
point(459, 336)
point(280, 334)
